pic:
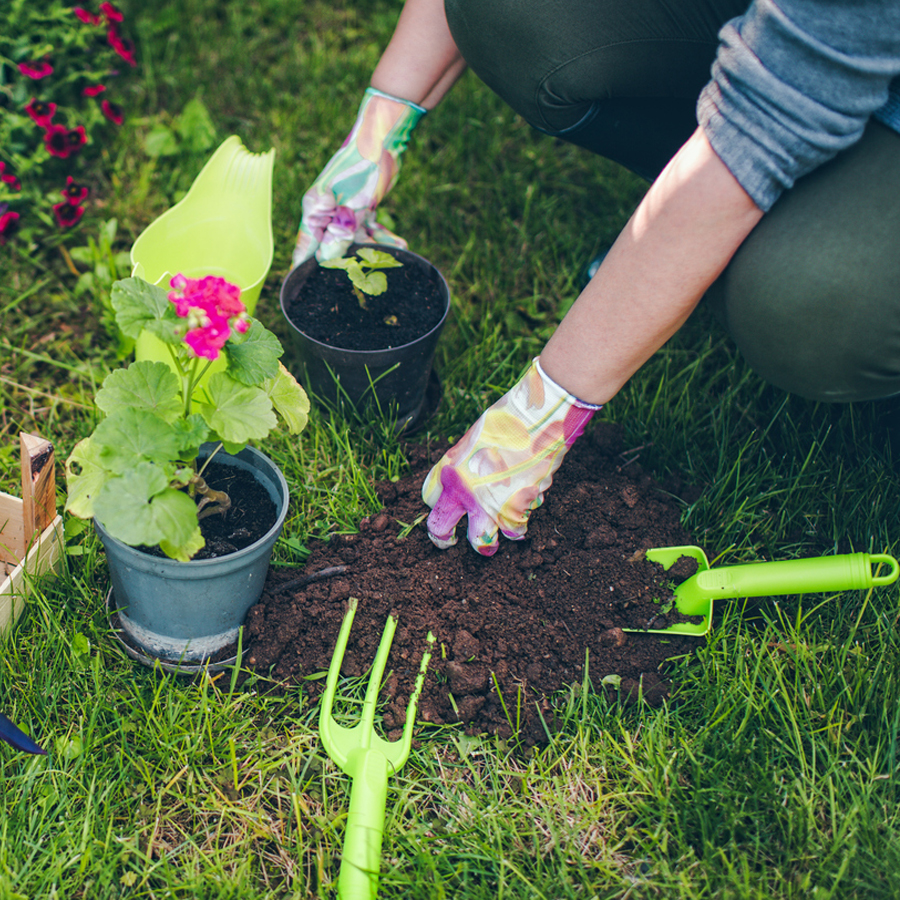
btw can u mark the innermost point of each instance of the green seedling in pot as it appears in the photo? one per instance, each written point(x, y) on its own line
point(695, 596)
point(364, 272)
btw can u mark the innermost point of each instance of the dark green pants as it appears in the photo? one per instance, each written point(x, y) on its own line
point(812, 298)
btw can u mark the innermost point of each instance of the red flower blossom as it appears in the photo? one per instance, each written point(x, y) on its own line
point(88, 18)
point(56, 140)
point(67, 214)
point(74, 192)
point(111, 13)
point(11, 180)
point(123, 47)
point(112, 111)
point(212, 307)
point(36, 70)
point(77, 138)
point(9, 225)
point(41, 112)
point(93, 90)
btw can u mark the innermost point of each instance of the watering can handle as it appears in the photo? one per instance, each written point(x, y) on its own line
point(798, 576)
point(361, 860)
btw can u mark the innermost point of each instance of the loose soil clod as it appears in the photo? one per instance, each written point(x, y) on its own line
point(511, 629)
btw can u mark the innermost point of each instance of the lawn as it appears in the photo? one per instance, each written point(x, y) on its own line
point(773, 772)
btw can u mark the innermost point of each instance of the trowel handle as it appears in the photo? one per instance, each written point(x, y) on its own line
point(798, 576)
point(361, 858)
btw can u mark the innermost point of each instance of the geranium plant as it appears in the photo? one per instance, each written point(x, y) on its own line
point(138, 473)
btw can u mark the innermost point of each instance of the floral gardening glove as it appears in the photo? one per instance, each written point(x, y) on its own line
point(498, 471)
point(339, 209)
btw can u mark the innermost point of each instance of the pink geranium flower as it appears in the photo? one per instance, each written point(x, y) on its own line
point(94, 89)
point(213, 309)
point(40, 112)
point(36, 70)
point(111, 13)
point(56, 140)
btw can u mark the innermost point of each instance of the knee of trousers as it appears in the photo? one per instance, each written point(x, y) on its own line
point(554, 63)
point(812, 322)
point(812, 297)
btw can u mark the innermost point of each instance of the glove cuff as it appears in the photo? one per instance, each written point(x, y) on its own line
point(374, 92)
point(572, 399)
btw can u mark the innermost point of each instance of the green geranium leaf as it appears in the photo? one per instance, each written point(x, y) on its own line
point(139, 305)
point(192, 432)
point(378, 259)
point(151, 386)
point(237, 413)
point(85, 476)
point(289, 399)
point(341, 262)
point(373, 284)
point(131, 436)
point(253, 356)
point(139, 507)
point(186, 551)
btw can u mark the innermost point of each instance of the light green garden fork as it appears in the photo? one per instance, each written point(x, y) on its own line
point(368, 759)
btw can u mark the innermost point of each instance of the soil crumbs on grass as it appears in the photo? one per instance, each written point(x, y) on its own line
point(510, 630)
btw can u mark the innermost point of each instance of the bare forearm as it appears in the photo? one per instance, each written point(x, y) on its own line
point(680, 238)
point(421, 62)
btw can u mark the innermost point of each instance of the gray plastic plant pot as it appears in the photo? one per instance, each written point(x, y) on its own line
point(190, 611)
point(400, 380)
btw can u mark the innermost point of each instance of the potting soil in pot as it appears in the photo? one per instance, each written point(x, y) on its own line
point(250, 517)
point(518, 624)
point(326, 309)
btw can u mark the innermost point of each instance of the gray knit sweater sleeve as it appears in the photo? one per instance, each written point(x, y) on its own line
point(794, 83)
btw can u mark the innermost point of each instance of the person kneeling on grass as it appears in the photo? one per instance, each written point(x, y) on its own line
point(770, 135)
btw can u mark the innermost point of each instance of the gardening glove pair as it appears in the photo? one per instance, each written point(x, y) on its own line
point(498, 472)
point(339, 208)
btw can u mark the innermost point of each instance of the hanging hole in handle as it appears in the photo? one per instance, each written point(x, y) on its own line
point(891, 576)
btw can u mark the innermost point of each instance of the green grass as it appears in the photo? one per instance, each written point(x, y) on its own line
point(773, 772)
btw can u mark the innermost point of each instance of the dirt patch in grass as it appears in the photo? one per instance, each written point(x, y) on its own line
point(512, 629)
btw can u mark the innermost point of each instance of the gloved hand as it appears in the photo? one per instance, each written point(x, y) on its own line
point(339, 208)
point(498, 471)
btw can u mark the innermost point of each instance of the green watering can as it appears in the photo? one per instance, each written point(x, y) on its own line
point(368, 759)
point(222, 227)
point(695, 596)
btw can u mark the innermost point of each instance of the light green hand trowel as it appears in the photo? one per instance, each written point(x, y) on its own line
point(222, 227)
point(695, 596)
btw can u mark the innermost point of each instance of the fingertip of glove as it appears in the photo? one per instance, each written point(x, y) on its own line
point(442, 543)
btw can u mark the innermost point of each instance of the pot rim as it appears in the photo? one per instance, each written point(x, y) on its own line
point(445, 293)
point(200, 565)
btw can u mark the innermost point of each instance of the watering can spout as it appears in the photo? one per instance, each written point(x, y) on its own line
point(222, 226)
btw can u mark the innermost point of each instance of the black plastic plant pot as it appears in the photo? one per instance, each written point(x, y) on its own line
point(399, 381)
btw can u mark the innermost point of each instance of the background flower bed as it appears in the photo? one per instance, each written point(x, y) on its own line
point(776, 773)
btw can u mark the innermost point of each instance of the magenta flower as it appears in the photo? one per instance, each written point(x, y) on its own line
point(93, 90)
point(56, 140)
point(111, 13)
point(123, 47)
point(36, 70)
point(74, 193)
point(77, 138)
point(9, 225)
point(88, 18)
point(9, 179)
point(112, 111)
point(66, 214)
point(41, 112)
point(213, 308)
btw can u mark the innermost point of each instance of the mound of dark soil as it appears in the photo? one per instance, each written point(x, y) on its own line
point(511, 629)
